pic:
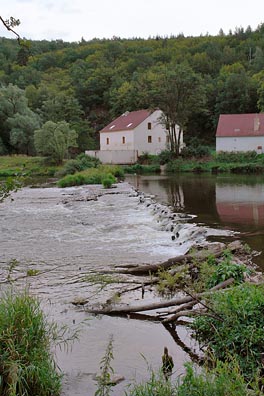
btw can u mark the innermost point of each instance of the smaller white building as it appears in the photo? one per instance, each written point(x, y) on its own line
point(240, 132)
point(130, 135)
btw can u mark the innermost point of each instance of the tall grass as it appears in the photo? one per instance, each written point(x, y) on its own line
point(224, 379)
point(27, 367)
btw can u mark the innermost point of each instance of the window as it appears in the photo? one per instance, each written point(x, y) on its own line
point(107, 140)
point(159, 139)
point(149, 125)
point(149, 139)
point(123, 140)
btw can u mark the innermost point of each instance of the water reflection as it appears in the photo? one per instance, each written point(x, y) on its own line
point(226, 201)
point(240, 203)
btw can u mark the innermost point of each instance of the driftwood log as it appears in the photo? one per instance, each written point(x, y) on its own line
point(215, 250)
point(127, 309)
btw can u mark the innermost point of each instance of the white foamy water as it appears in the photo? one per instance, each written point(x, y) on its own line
point(66, 236)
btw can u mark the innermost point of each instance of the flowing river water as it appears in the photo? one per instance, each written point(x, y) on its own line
point(69, 235)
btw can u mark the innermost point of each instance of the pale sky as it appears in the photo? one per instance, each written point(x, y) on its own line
point(70, 20)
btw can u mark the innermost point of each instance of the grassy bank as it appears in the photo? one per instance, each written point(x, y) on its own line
point(28, 166)
point(199, 161)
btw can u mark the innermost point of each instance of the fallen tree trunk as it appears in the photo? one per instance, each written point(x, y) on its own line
point(113, 310)
point(184, 258)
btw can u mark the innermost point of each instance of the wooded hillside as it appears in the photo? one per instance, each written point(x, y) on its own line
point(88, 83)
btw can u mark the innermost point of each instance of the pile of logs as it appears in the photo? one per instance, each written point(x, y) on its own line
point(169, 311)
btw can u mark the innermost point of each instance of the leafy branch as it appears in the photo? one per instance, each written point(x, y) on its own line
point(10, 24)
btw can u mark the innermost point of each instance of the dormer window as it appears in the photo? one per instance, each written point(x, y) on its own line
point(111, 127)
point(129, 125)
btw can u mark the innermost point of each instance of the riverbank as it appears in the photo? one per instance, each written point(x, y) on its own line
point(234, 163)
point(223, 162)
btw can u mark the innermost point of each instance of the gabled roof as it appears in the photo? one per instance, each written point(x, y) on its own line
point(233, 125)
point(127, 121)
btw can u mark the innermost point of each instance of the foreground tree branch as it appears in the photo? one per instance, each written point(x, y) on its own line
point(9, 24)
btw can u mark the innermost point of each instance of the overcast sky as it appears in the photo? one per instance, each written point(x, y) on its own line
point(70, 20)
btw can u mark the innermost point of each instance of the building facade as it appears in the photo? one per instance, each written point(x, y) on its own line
point(130, 135)
point(240, 132)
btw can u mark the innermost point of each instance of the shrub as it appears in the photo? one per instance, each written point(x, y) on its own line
point(197, 151)
point(26, 365)
point(108, 180)
point(166, 156)
point(80, 163)
point(227, 269)
point(235, 327)
point(226, 156)
point(90, 176)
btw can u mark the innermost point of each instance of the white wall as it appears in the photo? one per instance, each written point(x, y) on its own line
point(115, 140)
point(157, 132)
point(114, 156)
point(246, 143)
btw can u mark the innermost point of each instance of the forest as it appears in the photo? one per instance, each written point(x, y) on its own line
point(79, 87)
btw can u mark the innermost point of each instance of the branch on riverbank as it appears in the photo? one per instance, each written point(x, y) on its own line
point(213, 250)
point(128, 309)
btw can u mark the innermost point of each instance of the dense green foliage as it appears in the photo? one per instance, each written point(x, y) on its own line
point(54, 140)
point(26, 365)
point(236, 327)
point(88, 83)
point(106, 173)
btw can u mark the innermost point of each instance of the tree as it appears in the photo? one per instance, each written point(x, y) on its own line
point(54, 140)
point(61, 107)
point(178, 92)
point(236, 91)
point(15, 115)
point(22, 131)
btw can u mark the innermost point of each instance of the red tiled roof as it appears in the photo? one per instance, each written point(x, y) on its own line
point(240, 125)
point(127, 121)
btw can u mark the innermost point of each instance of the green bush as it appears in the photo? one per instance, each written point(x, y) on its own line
point(166, 156)
point(80, 163)
point(235, 327)
point(26, 365)
point(90, 176)
point(108, 180)
point(226, 156)
point(197, 151)
point(227, 269)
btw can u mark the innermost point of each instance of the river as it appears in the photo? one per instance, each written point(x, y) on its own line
point(69, 237)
